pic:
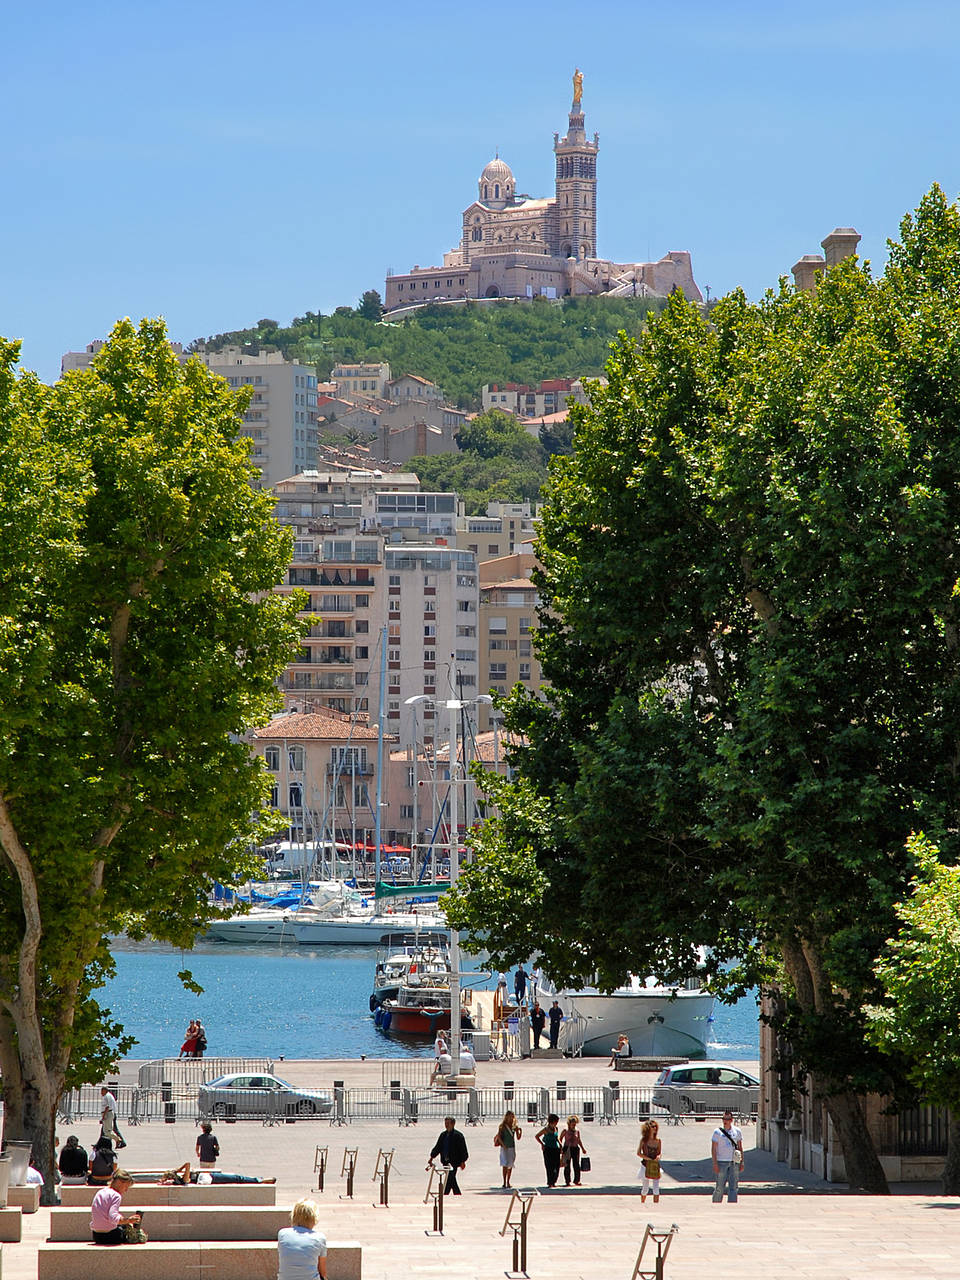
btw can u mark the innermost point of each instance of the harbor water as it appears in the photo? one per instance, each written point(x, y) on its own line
point(294, 1002)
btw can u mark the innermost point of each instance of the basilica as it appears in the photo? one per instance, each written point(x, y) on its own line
point(518, 246)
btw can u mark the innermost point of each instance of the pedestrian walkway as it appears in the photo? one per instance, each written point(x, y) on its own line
point(787, 1225)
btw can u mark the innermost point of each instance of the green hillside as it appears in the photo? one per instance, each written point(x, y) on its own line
point(461, 348)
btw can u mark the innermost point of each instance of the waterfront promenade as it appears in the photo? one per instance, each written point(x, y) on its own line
point(786, 1224)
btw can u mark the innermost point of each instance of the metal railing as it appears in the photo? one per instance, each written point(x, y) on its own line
point(193, 1071)
point(399, 1099)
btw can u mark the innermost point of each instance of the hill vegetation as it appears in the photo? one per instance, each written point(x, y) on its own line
point(458, 348)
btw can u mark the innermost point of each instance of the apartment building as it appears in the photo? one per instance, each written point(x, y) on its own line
point(507, 620)
point(361, 379)
point(281, 418)
point(503, 530)
point(324, 770)
point(431, 618)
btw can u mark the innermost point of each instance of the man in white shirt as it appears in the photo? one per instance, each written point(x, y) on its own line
point(727, 1149)
point(108, 1118)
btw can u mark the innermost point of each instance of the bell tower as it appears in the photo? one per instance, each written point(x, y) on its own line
point(576, 184)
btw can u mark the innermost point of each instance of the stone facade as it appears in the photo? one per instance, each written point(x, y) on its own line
point(518, 246)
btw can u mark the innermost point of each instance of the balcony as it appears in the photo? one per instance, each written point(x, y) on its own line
point(348, 770)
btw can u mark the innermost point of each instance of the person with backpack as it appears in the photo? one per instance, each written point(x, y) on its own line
point(208, 1148)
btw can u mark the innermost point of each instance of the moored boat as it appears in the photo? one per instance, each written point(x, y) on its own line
point(659, 1021)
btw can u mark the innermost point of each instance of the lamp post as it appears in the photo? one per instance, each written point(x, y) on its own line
point(454, 706)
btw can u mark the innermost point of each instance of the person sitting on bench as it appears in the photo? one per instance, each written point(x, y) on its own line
point(182, 1177)
point(620, 1050)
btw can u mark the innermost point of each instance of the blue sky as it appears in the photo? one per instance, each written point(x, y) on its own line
point(220, 163)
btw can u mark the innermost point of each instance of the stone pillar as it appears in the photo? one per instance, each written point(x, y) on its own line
point(839, 244)
point(805, 271)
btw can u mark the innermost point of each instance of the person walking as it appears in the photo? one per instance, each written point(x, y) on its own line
point(200, 1045)
point(208, 1148)
point(549, 1139)
point(538, 1020)
point(727, 1149)
point(649, 1152)
point(520, 984)
point(556, 1017)
point(506, 1138)
point(572, 1148)
point(451, 1147)
point(500, 996)
point(108, 1118)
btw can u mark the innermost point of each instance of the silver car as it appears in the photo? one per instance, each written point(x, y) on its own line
point(260, 1097)
point(713, 1087)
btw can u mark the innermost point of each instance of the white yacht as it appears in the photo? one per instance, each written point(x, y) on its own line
point(658, 1021)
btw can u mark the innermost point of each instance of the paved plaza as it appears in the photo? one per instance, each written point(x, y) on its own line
point(787, 1225)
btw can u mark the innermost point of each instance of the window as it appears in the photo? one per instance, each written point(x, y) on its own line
point(363, 626)
point(467, 679)
point(466, 655)
point(406, 811)
point(497, 626)
point(363, 602)
point(498, 671)
point(271, 756)
point(466, 606)
point(349, 759)
point(296, 759)
point(296, 795)
point(362, 651)
point(524, 670)
point(466, 631)
point(393, 655)
point(393, 580)
point(410, 773)
point(492, 548)
point(429, 655)
point(274, 796)
point(429, 631)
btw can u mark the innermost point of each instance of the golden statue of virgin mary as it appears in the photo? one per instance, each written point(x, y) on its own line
point(577, 86)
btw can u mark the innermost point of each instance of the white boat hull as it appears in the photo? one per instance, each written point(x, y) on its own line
point(264, 926)
point(655, 1023)
point(358, 931)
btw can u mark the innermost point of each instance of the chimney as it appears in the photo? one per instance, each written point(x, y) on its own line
point(805, 271)
point(840, 243)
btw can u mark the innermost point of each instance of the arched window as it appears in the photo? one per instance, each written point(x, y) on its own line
point(484, 191)
point(496, 191)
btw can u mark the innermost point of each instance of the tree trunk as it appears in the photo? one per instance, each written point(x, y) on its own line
point(863, 1168)
point(30, 1116)
point(951, 1170)
point(814, 994)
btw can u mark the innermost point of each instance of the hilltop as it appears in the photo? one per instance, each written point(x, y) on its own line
point(459, 348)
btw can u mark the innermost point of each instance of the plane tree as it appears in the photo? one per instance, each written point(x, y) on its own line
point(139, 640)
point(749, 640)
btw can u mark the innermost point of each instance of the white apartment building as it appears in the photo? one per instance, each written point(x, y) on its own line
point(281, 418)
point(503, 530)
point(361, 379)
point(432, 609)
point(399, 515)
point(82, 359)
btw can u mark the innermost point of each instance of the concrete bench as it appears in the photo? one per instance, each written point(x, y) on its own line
point(145, 1194)
point(11, 1225)
point(249, 1259)
point(171, 1224)
point(25, 1198)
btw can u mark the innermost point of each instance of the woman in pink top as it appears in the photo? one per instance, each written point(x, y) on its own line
point(106, 1221)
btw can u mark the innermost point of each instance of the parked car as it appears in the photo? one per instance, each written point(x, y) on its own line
point(260, 1096)
point(706, 1086)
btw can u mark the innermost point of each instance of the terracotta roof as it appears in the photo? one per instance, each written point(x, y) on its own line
point(316, 724)
point(560, 416)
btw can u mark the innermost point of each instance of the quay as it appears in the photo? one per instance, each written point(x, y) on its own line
point(787, 1225)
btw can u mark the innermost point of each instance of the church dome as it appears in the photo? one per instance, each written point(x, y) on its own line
point(497, 171)
point(496, 185)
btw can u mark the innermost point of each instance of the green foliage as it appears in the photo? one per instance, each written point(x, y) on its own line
point(370, 306)
point(461, 348)
point(919, 970)
point(750, 593)
point(139, 641)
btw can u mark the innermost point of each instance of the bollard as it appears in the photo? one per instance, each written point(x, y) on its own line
point(339, 1104)
point(589, 1112)
point(169, 1106)
point(473, 1107)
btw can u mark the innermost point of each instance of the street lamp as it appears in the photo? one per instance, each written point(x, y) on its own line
point(454, 706)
